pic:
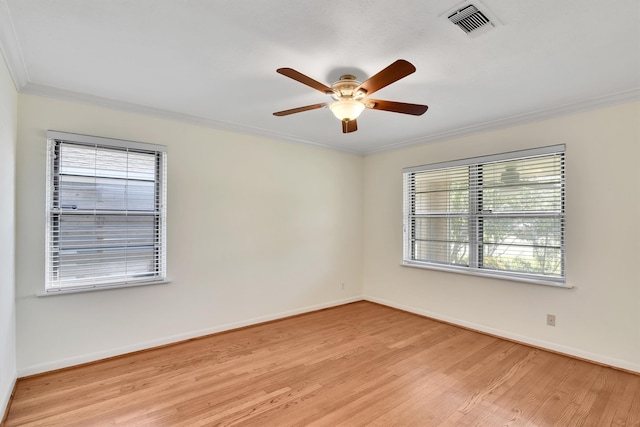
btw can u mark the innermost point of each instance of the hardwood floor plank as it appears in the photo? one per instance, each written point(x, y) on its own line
point(361, 364)
point(520, 402)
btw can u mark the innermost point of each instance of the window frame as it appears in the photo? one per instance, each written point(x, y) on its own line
point(156, 273)
point(476, 215)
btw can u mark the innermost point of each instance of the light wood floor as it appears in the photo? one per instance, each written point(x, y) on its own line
point(360, 364)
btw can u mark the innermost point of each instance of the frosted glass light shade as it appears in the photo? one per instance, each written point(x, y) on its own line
point(346, 109)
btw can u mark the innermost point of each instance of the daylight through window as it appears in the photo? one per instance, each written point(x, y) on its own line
point(500, 215)
point(106, 207)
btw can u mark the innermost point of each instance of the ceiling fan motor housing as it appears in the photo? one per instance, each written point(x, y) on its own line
point(346, 88)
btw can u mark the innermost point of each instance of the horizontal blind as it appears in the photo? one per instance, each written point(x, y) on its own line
point(438, 215)
point(106, 214)
point(502, 214)
point(522, 215)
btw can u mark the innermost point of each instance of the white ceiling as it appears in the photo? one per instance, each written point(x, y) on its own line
point(214, 62)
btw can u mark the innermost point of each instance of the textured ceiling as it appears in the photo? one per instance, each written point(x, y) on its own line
point(214, 62)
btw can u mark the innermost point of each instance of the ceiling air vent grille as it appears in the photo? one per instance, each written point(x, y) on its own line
point(471, 20)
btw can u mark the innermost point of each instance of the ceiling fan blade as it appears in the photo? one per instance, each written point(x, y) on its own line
point(349, 126)
point(392, 73)
point(396, 107)
point(305, 80)
point(299, 109)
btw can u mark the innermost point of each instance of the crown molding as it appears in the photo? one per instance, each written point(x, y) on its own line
point(533, 116)
point(10, 49)
point(68, 95)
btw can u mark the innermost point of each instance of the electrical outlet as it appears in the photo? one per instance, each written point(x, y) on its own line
point(551, 319)
point(342, 285)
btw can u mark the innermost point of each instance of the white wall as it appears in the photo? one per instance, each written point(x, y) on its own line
point(600, 317)
point(8, 126)
point(257, 229)
point(260, 229)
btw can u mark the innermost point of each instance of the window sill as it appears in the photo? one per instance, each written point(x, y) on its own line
point(93, 288)
point(488, 274)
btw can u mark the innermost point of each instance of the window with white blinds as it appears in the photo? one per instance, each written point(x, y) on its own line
point(501, 215)
point(106, 209)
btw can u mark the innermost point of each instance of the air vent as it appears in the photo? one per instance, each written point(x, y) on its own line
point(471, 20)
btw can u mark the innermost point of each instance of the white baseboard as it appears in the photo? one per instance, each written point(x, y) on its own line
point(570, 351)
point(92, 357)
point(4, 403)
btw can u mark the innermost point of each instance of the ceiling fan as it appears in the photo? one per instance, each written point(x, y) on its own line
point(350, 97)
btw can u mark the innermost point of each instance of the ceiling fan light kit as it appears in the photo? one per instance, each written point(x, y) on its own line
point(350, 96)
point(348, 101)
point(346, 109)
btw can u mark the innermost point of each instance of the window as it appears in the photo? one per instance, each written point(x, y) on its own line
point(499, 216)
point(106, 208)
